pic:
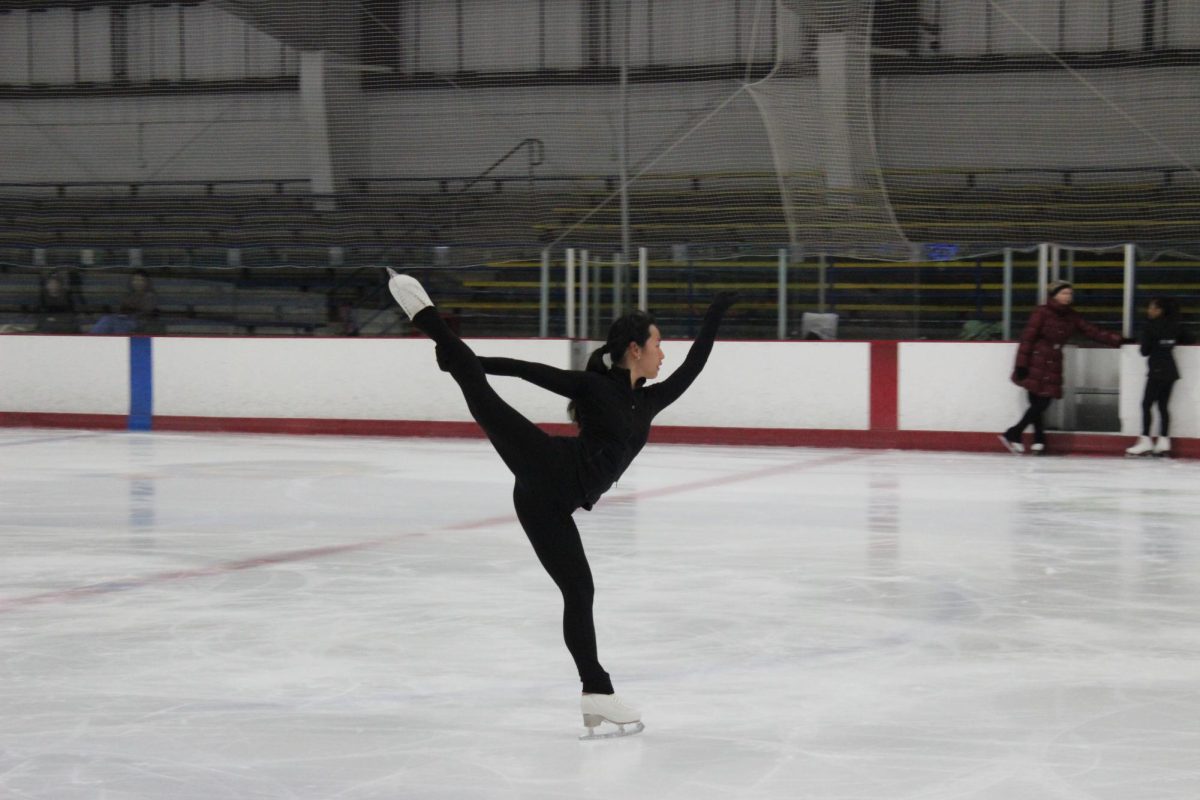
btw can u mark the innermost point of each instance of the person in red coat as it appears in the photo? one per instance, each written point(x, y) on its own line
point(1039, 367)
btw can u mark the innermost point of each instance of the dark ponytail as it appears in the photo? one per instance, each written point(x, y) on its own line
point(630, 328)
point(595, 362)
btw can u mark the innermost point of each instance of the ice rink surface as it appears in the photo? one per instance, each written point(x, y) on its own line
point(199, 617)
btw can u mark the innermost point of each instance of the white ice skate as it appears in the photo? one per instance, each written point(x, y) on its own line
point(1038, 449)
point(1142, 447)
point(408, 292)
point(601, 708)
point(1162, 447)
point(1016, 448)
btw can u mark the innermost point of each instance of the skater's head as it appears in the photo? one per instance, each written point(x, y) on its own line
point(1061, 292)
point(633, 344)
point(1167, 307)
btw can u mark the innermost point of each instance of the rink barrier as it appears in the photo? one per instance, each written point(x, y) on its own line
point(870, 395)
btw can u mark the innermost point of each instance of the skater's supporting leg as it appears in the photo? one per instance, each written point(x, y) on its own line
point(1039, 405)
point(556, 541)
point(1164, 405)
point(1032, 416)
point(1148, 400)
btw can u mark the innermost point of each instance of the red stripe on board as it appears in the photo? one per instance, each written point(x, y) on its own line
point(962, 441)
point(885, 381)
point(37, 419)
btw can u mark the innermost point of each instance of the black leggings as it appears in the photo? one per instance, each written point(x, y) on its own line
point(543, 499)
point(1158, 390)
point(1033, 416)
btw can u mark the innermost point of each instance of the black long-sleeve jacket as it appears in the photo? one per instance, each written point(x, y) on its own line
point(1158, 340)
point(614, 416)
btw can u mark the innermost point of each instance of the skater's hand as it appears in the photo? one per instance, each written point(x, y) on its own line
point(724, 300)
point(1021, 373)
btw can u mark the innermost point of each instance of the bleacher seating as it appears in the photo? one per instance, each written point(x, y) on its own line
point(267, 260)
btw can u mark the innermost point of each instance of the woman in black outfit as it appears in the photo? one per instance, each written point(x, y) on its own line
point(557, 474)
point(1162, 331)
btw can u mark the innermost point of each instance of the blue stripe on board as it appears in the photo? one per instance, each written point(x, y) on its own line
point(141, 384)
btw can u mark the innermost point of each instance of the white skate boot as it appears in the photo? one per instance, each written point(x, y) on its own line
point(1142, 447)
point(408, 293)
point(599, 708)
point(1014, 445)
point(1162, 447)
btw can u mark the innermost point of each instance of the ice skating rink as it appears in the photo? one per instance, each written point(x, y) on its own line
point(199, 617)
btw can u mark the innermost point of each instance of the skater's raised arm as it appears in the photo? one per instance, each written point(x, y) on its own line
point(565, 382)
point(667, 392)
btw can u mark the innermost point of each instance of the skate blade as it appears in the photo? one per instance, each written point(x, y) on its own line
point(1011, 446)
point(628, 729)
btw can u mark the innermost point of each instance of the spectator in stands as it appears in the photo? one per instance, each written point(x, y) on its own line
point(340, 318)
point(138, 312)
point(56, 311)
point(1039, 367)
point(1162, 331)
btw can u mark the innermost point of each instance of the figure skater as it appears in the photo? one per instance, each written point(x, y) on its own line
point(1039, 367)
point(557, 474)
point(1163, 330)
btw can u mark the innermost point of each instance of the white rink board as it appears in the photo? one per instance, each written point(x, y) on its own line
point(957, 386)
point(817, 385)
point(941, 386)
point(385, 379)
point(64, 374)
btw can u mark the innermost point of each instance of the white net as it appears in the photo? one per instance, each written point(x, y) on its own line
point(817, 106)
point(891, 148)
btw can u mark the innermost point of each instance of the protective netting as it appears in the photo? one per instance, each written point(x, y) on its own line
point(891, 149)
point(817, 106)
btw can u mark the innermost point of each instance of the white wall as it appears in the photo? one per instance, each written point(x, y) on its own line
point(462, 132)
point(1039, 119)
point(1042, 119)
point(194, 138)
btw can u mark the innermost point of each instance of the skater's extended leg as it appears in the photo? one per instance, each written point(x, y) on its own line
point(523, 446)
point(555, 539)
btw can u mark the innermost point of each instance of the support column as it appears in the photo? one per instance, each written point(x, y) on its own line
point(837, 158)
point(332, 104)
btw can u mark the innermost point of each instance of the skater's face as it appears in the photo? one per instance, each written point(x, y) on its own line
point(644, 361)
point(1154, 311)
point(1064, 297)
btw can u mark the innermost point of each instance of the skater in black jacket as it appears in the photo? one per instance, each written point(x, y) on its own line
point(555, 475)
point(1162, 331)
